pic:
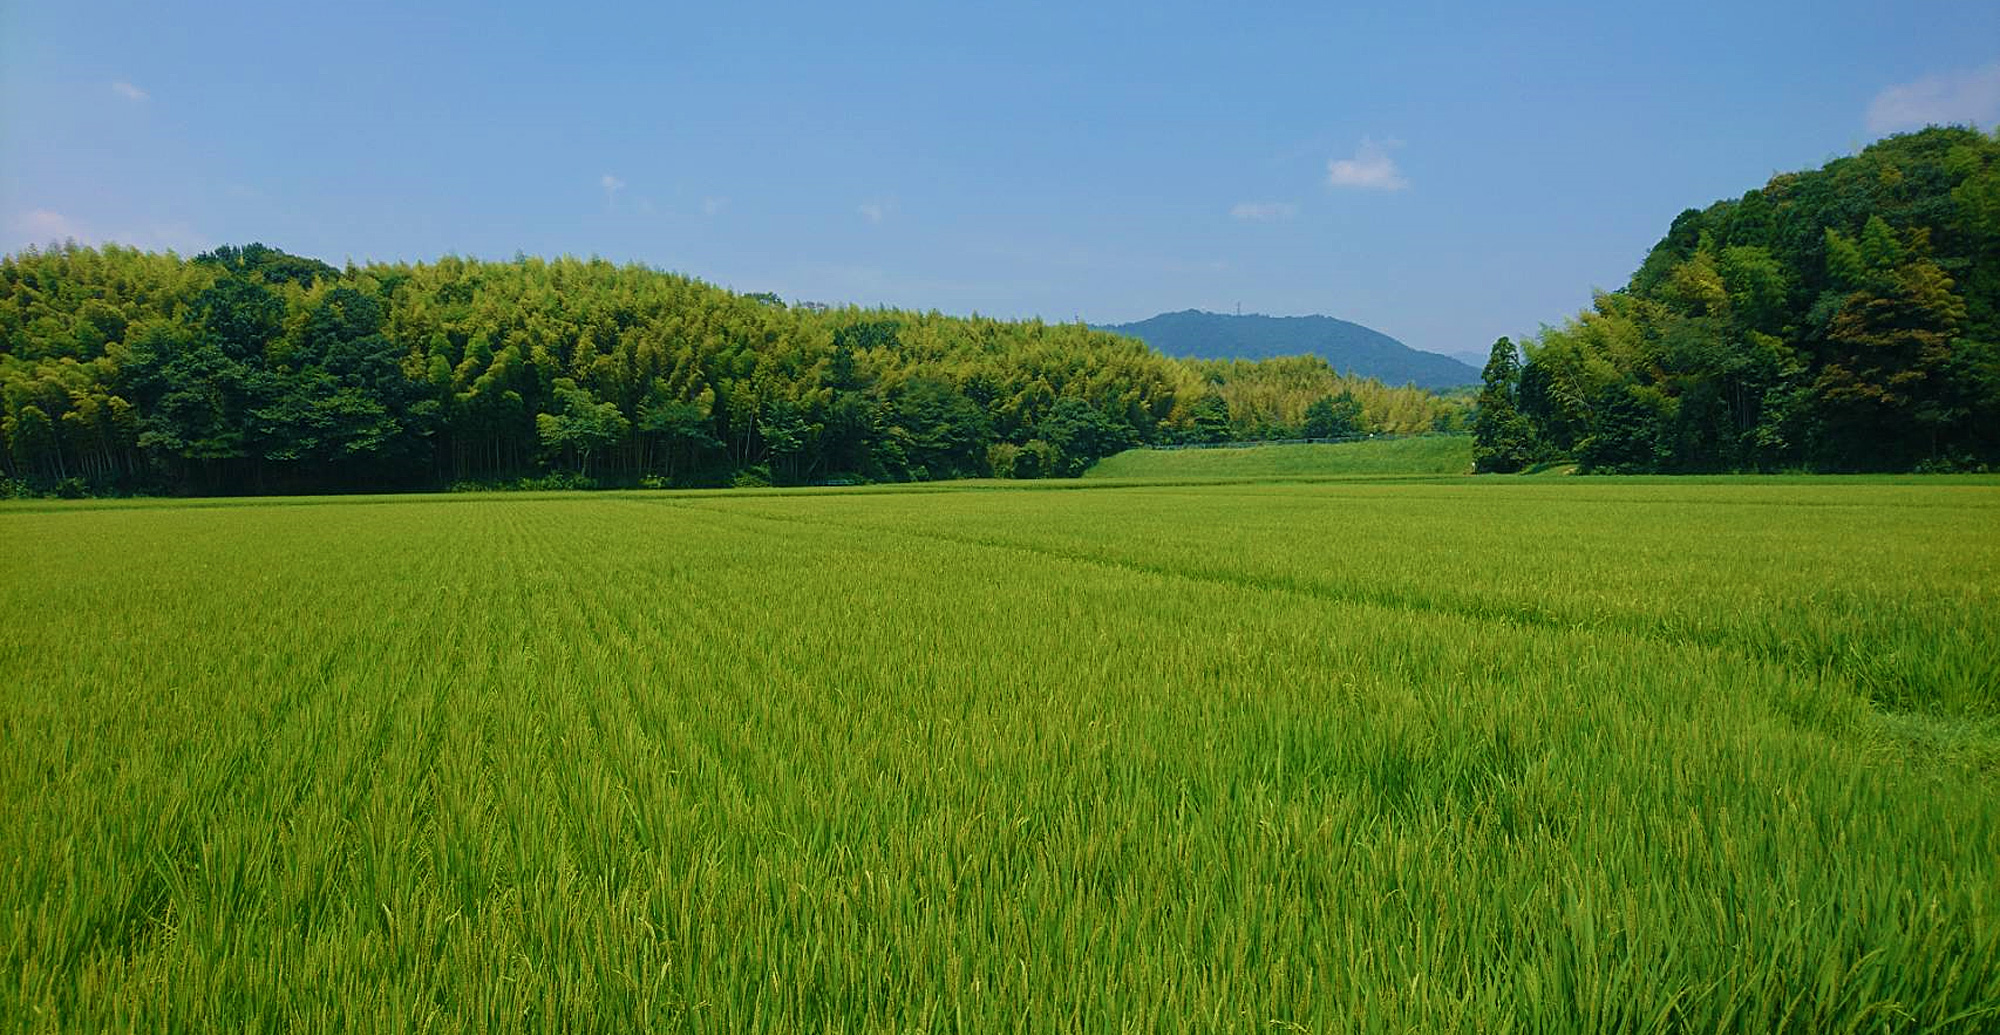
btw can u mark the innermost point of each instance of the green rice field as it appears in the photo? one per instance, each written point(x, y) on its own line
point(1441, 755)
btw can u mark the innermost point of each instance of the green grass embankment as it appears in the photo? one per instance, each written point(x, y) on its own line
point(1431, 454)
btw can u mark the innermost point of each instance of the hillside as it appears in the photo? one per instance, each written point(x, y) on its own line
point(1431, 454)
point(1845, 318)
point(1348, 347)
point(249, 370)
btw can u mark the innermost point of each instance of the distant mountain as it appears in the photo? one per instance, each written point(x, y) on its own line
point(1349, 347)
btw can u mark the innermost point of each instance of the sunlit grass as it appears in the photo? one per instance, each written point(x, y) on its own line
point(1506, 755)
point(1431, 454)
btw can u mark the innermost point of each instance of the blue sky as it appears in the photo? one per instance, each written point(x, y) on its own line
point(1445, 174)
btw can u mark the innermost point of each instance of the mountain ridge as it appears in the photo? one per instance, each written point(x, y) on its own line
point(1348, 346)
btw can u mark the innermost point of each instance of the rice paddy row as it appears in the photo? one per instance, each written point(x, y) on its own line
point(1344, 756)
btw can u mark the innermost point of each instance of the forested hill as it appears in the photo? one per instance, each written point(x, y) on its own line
point(252, 370)
point(1348, 347)
point(1846, 318)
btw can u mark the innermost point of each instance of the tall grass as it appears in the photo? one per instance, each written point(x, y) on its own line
point(1567, 756)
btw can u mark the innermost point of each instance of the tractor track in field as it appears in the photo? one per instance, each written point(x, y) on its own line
point(1801, 662)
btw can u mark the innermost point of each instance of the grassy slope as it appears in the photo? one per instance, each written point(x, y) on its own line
point(1721, 756)
point(1441, 454)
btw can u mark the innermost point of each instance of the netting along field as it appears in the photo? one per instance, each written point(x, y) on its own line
point(1578, 755)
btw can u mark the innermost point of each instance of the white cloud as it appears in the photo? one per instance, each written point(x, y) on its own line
point(713, 206)
point(1371, 168)
point(1263, 211)
point(130, 92)
point(877, 211)
point(43, 226)
point(1966, 96)
point(612, 185)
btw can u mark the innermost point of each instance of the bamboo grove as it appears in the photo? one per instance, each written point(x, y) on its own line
point(252, 370)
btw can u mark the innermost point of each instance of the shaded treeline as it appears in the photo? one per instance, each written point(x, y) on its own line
point(1846, 318)
point(251, 370)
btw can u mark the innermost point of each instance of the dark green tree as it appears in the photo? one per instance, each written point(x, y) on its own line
point(1080, 435)
point(582, 427)
point(1334, 416)
point(1502, 439)
point(1209, 421)
point(940, 433)
point(786, 436)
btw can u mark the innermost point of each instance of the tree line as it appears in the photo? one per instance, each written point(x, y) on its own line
point(1842, 319)
point(253, 370)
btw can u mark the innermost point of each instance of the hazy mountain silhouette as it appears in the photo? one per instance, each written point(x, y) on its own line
point(1349, 347)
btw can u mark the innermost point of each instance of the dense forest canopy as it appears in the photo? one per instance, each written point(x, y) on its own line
point(252, 370)
point(1843, 319)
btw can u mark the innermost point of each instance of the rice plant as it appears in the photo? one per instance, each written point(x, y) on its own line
point(1429, 756)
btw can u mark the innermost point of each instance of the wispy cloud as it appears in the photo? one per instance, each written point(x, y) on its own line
point(44, 226)
point(130, 92)
point(877, 210)
point(612, 185)
point(1263, 211)
point(1371, 168)
point(713, 206)
point(1964, 96)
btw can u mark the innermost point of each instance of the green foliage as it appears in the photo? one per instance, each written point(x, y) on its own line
point(268, 265)
point(1325, 757)
point(1840, 319)
point(250, 370)
point(1003, 460)
point(1078, 434)
point(937, 432)
point(1208, 419)
point(1336, 416)
point(1271, 399)
point(1503, 441)
point(581, 427)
